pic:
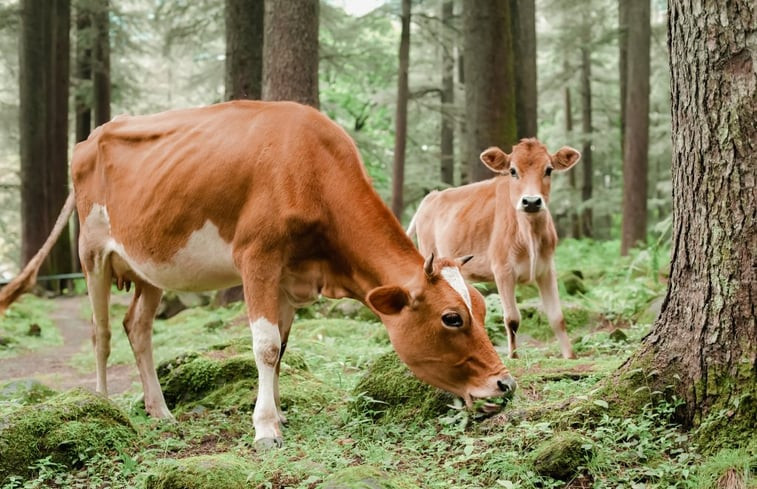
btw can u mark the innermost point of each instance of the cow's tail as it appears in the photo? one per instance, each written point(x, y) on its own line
point(28, 276)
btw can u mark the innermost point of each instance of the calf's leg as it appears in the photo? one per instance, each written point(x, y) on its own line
point(98, 287)
point(551, 300)
point(506, 287)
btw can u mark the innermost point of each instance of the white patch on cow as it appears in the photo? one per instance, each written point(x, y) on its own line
point(455, 279)
point(204, 263)
point(266, 344)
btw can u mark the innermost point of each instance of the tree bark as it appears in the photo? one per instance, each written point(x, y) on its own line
point(623, 66)
point(290, 51)
point(523, 13)
point(587, 226)
point(244, 49)
point(489, 81)
point(635, 152)
point(575, 221)
point(43, 89)
point(447, 136)
point(400, 132)
point(101, 70)
point(703, 346)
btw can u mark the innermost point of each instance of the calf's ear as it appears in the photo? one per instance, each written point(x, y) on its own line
point(496, 159)
point(565, 158)
point(387, 299)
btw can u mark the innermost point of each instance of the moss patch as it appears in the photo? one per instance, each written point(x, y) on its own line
point(204, 472)
point(69, 428)
point(562, 456)
point(365, 477)
point(25, 391)
point(389, 388)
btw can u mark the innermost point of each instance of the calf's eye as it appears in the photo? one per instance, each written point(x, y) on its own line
point(548, 171)
point(452, 319)
point(513, 172)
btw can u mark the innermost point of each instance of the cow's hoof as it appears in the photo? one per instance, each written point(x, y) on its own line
point(267, 444)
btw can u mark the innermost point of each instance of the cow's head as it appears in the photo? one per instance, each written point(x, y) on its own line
point(436, 325)
point(530, 166)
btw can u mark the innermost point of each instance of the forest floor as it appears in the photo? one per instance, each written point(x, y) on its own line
point(51, 365)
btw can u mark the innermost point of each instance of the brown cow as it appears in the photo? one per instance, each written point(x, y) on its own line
point(273, 196)
point(505, 224)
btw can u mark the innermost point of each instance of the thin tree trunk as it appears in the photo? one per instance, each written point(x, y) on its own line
point(290, 51)
point(490, 82)
point(635, 160)
point(523, 14)
point(575, 221)
point(244, 48)
point(43, 86)
point(83, 72)
point(447, 136)
point(587, 130)
point(400, 134)
point(101, 72)
point(703, 347)
point(623, 66)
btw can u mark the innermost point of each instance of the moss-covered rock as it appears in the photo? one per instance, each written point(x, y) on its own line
point(390, 389)
point(561, 456)
point(223, 471)
point(69, 428)
point(25, 391)
point(365, 477)
point(225, 378)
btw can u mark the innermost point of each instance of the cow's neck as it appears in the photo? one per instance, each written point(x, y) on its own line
point(536, 236)
point(375, 247)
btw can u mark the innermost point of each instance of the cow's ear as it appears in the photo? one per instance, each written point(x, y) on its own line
point(565, 158)
point(496, 159)
point(388, 299)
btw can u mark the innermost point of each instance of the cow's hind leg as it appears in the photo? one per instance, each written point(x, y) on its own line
point(506, 288)
point(98, 286)
point(138, 326)
point(551, 301)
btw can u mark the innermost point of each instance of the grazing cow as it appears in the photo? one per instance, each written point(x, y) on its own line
point(505, 224)
point(272, 195)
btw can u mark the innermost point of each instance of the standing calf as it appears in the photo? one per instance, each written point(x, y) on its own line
point(505, 224)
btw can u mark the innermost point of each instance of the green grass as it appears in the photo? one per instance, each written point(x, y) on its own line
point(457, 449)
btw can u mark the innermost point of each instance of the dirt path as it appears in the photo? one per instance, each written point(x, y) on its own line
point(51, 365)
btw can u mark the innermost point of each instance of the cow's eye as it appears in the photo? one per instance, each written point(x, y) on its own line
point(548, 171)
point(513, 172)
point(452, 320)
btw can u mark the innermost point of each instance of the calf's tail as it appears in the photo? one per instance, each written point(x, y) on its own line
point(28, 276)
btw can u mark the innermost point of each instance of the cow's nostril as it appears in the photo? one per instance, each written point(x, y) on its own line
point(507, 386)
point(537, 201)
point(525, 201)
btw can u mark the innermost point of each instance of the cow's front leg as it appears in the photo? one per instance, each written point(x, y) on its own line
point(261, 293)
point(551, 300)
point(505, 279)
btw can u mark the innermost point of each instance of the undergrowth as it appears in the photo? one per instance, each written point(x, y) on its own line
point(458, 448)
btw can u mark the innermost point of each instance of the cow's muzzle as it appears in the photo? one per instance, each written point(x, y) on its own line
point(531, 203)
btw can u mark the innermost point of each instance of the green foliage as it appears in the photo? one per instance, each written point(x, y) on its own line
point(15, 326)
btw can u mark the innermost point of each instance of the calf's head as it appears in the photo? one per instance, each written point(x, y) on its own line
point(436, 325)
point(530, 167)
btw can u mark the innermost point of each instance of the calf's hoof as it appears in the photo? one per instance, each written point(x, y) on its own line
point(267, 444)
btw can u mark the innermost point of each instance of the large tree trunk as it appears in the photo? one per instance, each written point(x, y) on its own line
point(523, 14)
point(43, 89)
point(703, 346)
point(101, 69)
point(587, 225)
point(635, 151)
point(244, 49)
point(290, 51)
point(489, 81)
point(447, 136)
point(400, 133)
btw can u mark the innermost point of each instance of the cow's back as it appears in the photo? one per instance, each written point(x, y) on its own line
point(229, 172)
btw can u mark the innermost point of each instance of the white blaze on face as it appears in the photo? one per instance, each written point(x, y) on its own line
point(455, 279)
